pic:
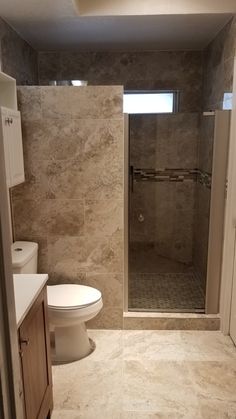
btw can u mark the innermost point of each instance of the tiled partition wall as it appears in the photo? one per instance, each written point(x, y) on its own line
point(162, 213)
point(17, 57)
point(72, 201)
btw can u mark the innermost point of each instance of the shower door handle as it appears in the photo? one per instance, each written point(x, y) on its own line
point(131, 172)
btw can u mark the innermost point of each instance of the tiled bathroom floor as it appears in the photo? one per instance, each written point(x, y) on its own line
point(149, 374)
point(165, 291)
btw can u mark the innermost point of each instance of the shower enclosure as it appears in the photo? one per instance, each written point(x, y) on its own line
point(177, 177)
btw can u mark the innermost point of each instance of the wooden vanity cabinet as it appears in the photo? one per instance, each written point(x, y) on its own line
point(34, 344)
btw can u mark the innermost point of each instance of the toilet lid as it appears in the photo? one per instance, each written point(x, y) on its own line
point(72, 296)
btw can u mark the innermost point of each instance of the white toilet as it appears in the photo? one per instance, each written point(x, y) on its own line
point(70, 306)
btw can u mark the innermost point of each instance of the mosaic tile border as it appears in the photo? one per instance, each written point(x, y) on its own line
point(172, 175)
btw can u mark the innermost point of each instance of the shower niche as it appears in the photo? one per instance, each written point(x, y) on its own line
point(177, 180)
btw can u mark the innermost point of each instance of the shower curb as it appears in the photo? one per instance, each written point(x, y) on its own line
point(171, 321)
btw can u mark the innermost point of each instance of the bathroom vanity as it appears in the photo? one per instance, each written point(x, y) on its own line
point(34, 344)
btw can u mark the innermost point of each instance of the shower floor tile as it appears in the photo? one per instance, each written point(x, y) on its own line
point(168, 292)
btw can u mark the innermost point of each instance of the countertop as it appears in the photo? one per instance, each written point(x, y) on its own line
point(27, 288)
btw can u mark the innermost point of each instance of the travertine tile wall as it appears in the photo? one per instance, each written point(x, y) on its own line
point(182, 70)
point(17, 57)
point(218, 67)
point(164, 141)
point(218, 79)
point(72, 201)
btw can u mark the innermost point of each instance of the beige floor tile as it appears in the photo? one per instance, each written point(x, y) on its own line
point(216, 410)
point(214, 381)
point(205, 346)
point(109, 344)
point(149, 375)
point(148, 415)
point(161, 387)
point(88, 384)
point(152, 345)
point(86, 414)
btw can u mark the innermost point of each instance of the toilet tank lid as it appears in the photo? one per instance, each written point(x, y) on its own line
point(22, 252)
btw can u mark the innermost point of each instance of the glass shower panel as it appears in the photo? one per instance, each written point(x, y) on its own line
point(163, 184)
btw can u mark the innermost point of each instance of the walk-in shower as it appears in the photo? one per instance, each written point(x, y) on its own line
point(174, 166)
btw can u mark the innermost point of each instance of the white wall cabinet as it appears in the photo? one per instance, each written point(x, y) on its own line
point(10, 129)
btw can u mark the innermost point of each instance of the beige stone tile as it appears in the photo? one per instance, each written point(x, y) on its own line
point(54, 217)
point(108, 318)
point(86, 414)
point(214, 381)
point(105, 254)
point(165, 323)
point(93, 179)
point(96, 102)
point(50, 139)
point(66, 277)
point(164, 387)
point(102, 384)
point(216, 409)
point(29, 217)
point(109, 344)
point(55, 102)
point(152, 345)
point(87, 384)
point(67, 256)
point(207, 346)
point(29, 101)
point(103, 218)
point(159, 415)
point(65, 179)
point(102, 136)
point(103, 177)
point(65, 217)
point(111, 286)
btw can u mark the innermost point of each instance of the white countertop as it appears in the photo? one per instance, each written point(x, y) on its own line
point(27, 288)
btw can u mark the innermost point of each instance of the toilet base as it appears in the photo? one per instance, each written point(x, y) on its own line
point(70, 343)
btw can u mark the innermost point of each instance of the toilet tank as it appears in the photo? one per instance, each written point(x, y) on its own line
point(24, 257)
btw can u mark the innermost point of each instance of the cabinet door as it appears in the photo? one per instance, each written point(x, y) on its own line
point(36, 364)
point(12, 139)
point(16, 149)
point(5, 136)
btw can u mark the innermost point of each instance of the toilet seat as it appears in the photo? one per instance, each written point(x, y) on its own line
point(72, 296)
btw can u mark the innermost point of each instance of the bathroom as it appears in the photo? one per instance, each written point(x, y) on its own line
point(123, 205)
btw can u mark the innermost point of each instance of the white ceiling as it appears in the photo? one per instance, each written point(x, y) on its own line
point(55, 25)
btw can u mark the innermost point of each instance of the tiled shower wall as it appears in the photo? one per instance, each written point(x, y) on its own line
point(218, 79)
point(17, 57)
point(167, 208)
point(218, 67)
point(181, 70)
point(72, 201)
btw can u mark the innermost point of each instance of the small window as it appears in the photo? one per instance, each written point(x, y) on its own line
point(150, 102)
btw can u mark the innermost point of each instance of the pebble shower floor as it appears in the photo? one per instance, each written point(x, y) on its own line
point(177, 292)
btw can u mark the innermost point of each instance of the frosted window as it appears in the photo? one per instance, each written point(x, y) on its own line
point(149, 102)
point(228, 101)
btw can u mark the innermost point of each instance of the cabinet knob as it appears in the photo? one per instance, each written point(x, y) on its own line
point(24, 342)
